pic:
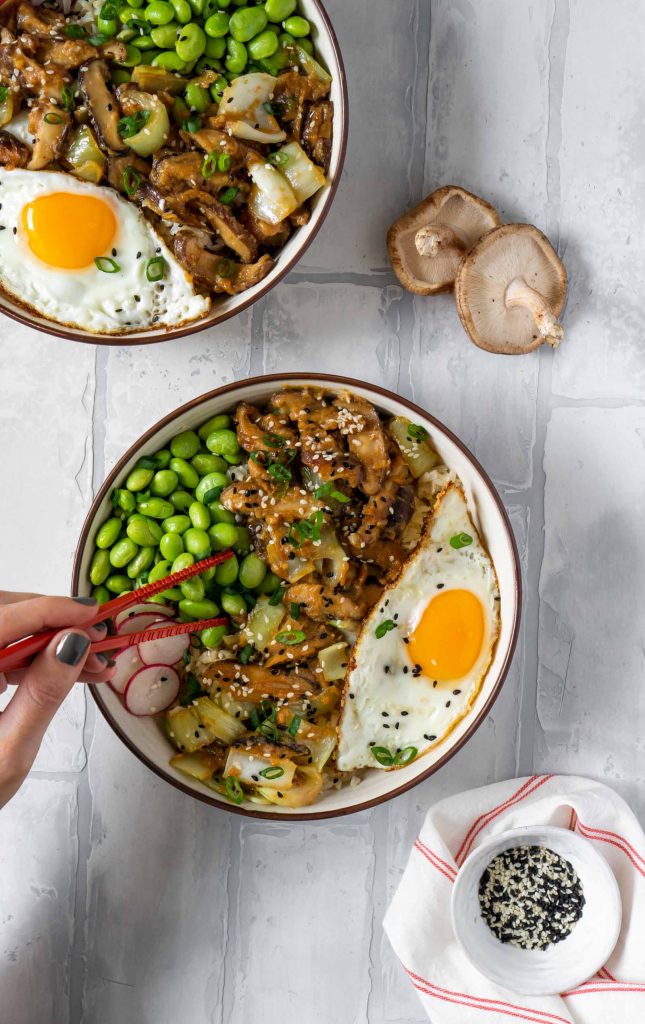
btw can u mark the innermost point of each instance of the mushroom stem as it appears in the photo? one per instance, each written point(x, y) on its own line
point(520, 294)
point(435, 239)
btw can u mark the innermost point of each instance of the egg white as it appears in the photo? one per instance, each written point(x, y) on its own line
point(87, 297)
point(396, 709)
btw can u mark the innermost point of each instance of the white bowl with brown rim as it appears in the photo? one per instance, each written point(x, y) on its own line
point(144, 736)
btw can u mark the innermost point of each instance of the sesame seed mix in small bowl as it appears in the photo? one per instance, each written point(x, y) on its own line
point(537, 910)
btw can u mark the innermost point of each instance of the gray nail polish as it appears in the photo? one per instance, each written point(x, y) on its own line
point(85, 600)
point(100, 627)
point(72, 648)
point(106, 659)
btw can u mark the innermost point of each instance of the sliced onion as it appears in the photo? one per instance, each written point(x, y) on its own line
point(152, 689)
point(146, 607)
point(243, 106)
point(167, 650)
point(127, 663)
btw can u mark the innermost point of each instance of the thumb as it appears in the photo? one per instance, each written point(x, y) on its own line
point(43, 689)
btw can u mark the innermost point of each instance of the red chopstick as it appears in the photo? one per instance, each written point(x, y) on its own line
point(20, 653)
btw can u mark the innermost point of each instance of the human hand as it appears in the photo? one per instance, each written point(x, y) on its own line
point(42, 687)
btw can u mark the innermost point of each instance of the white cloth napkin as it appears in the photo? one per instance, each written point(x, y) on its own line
point(418, 919)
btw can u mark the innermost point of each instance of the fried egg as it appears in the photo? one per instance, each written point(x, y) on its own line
point(424, 649)
point(54, 228)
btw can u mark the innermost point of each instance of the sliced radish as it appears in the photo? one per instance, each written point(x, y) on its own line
point(151, 689)
point(138, 623)
point(146, 607)
point(167, 650)
point(127, 663)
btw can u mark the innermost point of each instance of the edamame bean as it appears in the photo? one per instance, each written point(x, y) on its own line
point(169, 61)
point(181, 500)
point(145, 43)
point(187, 474)
point(213, 636)
point(233, 604)
point(197, 542)
point(217, 88)
point(157, 508)
point(307, 46)
point(118, 584)
point(205, 463)
point(226, 573)
point(126, 14)
point(269, 584)
point(159, 12)
point(119, 76)
point(208, 575)
point(165, 36)
point(198, 99)
point(199, 515)
point(204, 609)
point(162, 457)
point(264, 45)
point(243, 543)
point(210, 487)
point(183, 561)
point(214, 423)
point(134, 3)
point(235, 459)
point(217, 25)
point(222, 535)
point(189, 46)
point(132, 58)
point(159, 571)
point(252, 571)
point(139, 479)
point(278, 10)
point(186, 444)
point(215, 48)
point(141, 561)
point(102, 595)
point(123, 552)
point(247, 23)
point(297, 26)
point(176, 524)
point(223, 442)
point(100, 568)
point(163, 483)
point(223, 3)
point(182, 10)
point(237, 56)
point(197, 6)
point(171, 594)
point(107, 26)
point(171, 545)
point(219, 514)
point(144, 532)
point(108, 533)
point(193, 589)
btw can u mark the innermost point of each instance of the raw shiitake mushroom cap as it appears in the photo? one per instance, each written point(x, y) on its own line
point(427, 244)
point(510, 290)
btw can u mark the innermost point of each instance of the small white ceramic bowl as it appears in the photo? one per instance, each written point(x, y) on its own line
point(145, 737)
point(564, 965)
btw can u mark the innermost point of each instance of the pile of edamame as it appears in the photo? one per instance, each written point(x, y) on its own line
point(167, 516)
point(229, 36)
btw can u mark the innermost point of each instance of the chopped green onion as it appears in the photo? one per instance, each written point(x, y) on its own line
point(405, 756)
point(52, 118)
point(295, 609)
point(234, 791)
point(212, 495)
point(225, 268)
point(106, 264)
point(327, 491)
point(98, 39)
point(224, 161)
point(209, 164)
point(186, 655)
point(269, 730)
point(268, 709)
point(383, 628)
point(295, 725)
point(460, 540)
point(156, 269)
point(74, 32)
point(290, 637)
point(127, 127)
point(67, 98)
point(254, 719)
point(130, 179)
point(190, 690)
point(276, 596)
point(192, 124)
point(274, 440)
point(274, 771)
point(228, 195)
point(417, 433)
point(109, 11)
point(382, 755)
point(306, 529)
point(4, 92)
point(279, 472)
point(245, 654)
point(278, 159)
point(145, 462)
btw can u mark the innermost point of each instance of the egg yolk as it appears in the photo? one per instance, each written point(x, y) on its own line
point(449, 636)
point(66, 230)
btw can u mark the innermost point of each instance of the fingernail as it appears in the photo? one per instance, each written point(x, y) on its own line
point(101, 627)
point(72, 648)
point(85, 600)
point(108, 661)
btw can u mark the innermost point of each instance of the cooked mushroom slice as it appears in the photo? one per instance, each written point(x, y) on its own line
point(114, 50)
point(122, 171)
point(317, 132)
point(101, 104)
point(174, 173)
point(223, 220)
point(49, 125)
point(13, 152)
point(427, 244)
point(269, 235)
point(510, 291)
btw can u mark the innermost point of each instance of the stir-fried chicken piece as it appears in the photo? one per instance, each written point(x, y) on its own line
point(267, 234)
point(47, 83)
point(173, 173)
point(66, 53)
point(359, 421)
point(379, 507)
point(117, 166)
point(321, 604)
point(254, 436)
point(39, 21)
point(49, 124)
point(255, 683)
point(317, 636)
point(388, 555)
point(317, 132)
point(291, 94)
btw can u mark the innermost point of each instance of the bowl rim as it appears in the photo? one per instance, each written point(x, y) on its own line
point(379, 393)
point(154, 337)
point(544, 834)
